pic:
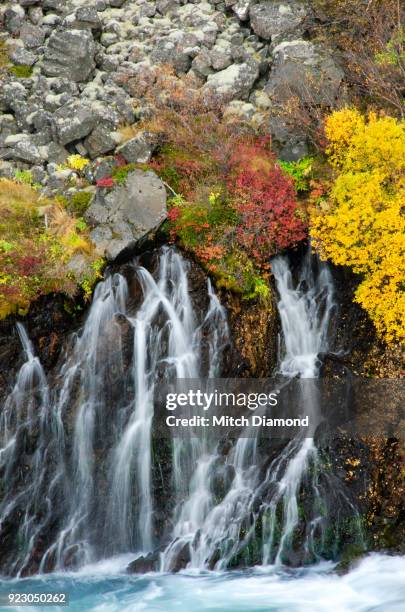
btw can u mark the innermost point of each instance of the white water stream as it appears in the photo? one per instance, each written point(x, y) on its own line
point(86, 435)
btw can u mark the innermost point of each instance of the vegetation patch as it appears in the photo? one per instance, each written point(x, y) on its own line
point(43, 249)
point(231, 205)
point(79, 202)
point(361, 223)
point(21, 72)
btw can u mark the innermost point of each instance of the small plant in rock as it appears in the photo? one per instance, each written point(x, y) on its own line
point(77, 162)
point(79, 202)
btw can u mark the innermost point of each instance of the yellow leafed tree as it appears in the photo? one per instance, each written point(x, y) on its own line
point(362, 223)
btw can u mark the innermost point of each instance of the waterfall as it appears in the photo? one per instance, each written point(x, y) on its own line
point(88, 491)
point(218, 535)
point(85, 479)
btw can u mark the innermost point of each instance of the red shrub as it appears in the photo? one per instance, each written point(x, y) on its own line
point(265, 199)
point(105, 182)
point(29, 265)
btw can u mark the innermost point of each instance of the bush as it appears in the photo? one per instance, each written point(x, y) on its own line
point(300, 171)
point(362, 223)
point(39, 239)
point(265, 199)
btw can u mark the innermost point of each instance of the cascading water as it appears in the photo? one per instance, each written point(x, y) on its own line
point(94, 484)
point(90, 482)
point(219, 534)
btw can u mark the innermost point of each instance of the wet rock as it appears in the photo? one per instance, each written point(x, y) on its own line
point(144, 564)
point(277, 21)
point(123, 215)
point(69, 53)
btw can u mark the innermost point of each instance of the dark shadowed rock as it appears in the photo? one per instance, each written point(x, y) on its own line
point(305, 70)
point(144, 564)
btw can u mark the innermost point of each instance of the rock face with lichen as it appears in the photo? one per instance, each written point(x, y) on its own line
point(123, 215)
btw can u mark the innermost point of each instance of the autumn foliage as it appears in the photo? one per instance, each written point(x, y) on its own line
point(264, 198)
point(362, 222)
point(39, 242)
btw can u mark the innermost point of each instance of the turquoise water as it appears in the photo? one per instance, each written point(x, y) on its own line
point(376, 584)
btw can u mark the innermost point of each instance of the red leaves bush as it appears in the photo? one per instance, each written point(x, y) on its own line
point(265, 200)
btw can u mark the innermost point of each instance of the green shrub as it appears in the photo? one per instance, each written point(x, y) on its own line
point(300, 171)
point(119, 173)
point(80, 202)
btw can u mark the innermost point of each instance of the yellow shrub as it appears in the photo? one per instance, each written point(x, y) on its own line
point(363, 222)
point(77, 162)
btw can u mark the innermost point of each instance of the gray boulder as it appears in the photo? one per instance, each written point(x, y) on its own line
point(21, 57)
point(70, 54)
point(126, 213)
point(74, 121)
point(23, 148)
point(100, 141)
point(139, 149)
point(305, 70)
point(32, 36)
point(274, 20)
point(241, 9)
point(83, 17)
point(173, 52)
point(13, 19)
point(235, 82)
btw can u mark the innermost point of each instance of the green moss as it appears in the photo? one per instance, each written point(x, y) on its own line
point(120, 173)
point(351, 553)
point(21, 72)
point(80, 202)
